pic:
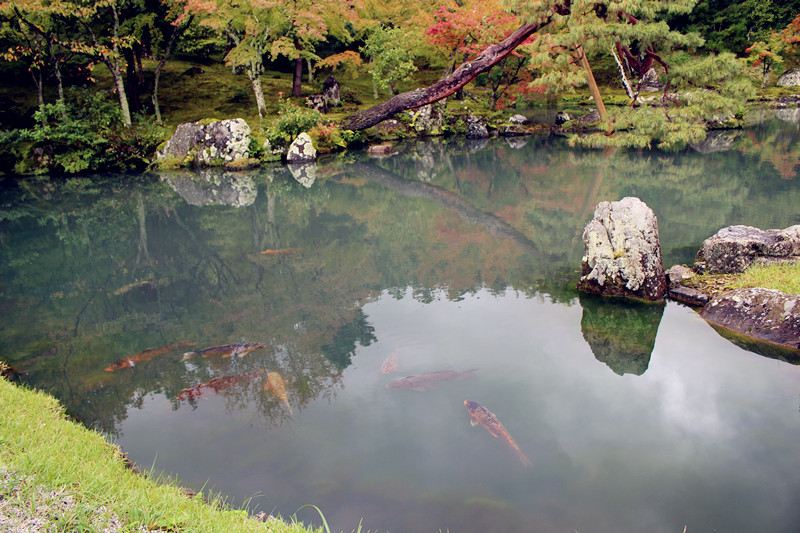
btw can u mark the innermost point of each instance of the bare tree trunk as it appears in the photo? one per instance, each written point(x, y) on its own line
point(297, 80)
point(445, 87)
point(258, 90)
point(176, 32)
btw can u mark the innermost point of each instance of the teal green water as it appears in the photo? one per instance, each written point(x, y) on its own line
point(450, 256)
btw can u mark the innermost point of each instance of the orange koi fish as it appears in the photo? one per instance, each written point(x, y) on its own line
point(281, 251)
point(390, 364)
point(428, 380)
point(278, 388)
point(216, 384)
point(239, 349)
point(145, 355)
point(481, 415)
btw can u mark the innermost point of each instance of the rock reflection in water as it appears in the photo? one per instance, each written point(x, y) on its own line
point(304, 173)
point(212, 187)
point(621, 333)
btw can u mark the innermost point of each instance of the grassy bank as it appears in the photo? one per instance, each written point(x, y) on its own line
point(59, 476)
point(784, 278)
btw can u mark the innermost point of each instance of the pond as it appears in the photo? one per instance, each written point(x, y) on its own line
point(454, 262)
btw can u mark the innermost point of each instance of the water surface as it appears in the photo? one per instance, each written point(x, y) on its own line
point(453, 256)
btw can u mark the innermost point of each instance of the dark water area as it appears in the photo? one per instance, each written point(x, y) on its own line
point(454, 261)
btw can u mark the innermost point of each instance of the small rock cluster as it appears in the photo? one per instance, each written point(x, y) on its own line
point(623, 259)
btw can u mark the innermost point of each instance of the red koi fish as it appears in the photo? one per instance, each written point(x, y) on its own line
point(145, 355)
point(428, 381)
point(278, 387)
point(481, 415)
point(281, 251)
point(216, 385)
point(227, 350)
point(390, 364)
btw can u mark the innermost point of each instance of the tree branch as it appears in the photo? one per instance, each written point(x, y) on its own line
point(446, 86)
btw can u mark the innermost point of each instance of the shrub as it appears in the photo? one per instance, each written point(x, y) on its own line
point(292, 121)
point(86, 135)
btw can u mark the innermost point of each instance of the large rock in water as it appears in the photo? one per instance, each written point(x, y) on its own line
point(734, 248)
point(764, 314)
point(221, 141)
point(623, 252)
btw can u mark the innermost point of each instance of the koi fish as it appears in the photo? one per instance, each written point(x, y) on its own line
point(281, 251)
point(428, 381)
point(481, 415)
point(278, 386)
point(390, 364)
point(227, 350)
point(216, 384)
point(145, 355)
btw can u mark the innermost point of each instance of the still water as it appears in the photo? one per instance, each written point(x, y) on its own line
point(453, 257)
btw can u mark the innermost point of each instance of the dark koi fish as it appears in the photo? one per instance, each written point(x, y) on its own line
point(227, 350)
point(481, 415)
point(428, 381)
point(145, 355)
point(216, 384)
point(278, 386)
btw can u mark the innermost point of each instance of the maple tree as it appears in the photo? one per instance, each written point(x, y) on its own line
point(302, 24)
point(462, 32)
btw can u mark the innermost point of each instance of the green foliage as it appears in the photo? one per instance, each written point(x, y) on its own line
point(331, 137)
point(92, 138)
point(292, 121)
point(391, 59)
point(782, 277)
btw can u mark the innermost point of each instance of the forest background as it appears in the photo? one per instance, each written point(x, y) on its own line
point(91, 86)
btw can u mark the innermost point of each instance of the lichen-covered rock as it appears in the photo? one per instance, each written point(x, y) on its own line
point(734, 248)
point(650, 82)
point(302, 150)
point(790, 78)
point(476, 128)
point(212, 143)
point(623, 252)
point(764, 314)
point(428, 120)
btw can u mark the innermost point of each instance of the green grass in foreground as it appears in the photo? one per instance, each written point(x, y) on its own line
point(42, 453)
point(785, 278)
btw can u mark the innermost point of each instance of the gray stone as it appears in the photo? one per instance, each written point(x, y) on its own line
point(217, 142)
point(317, 102)
point(476, 128)
point(623, 252)
point(428, 120)
point(380, 150)
point(562, 118)
point(764, 314)
point(302, 150)
point(790, 78)
point(734, 248)
point(330, 89)
point(650, 82)
point(689, 295)
point(679, 273)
